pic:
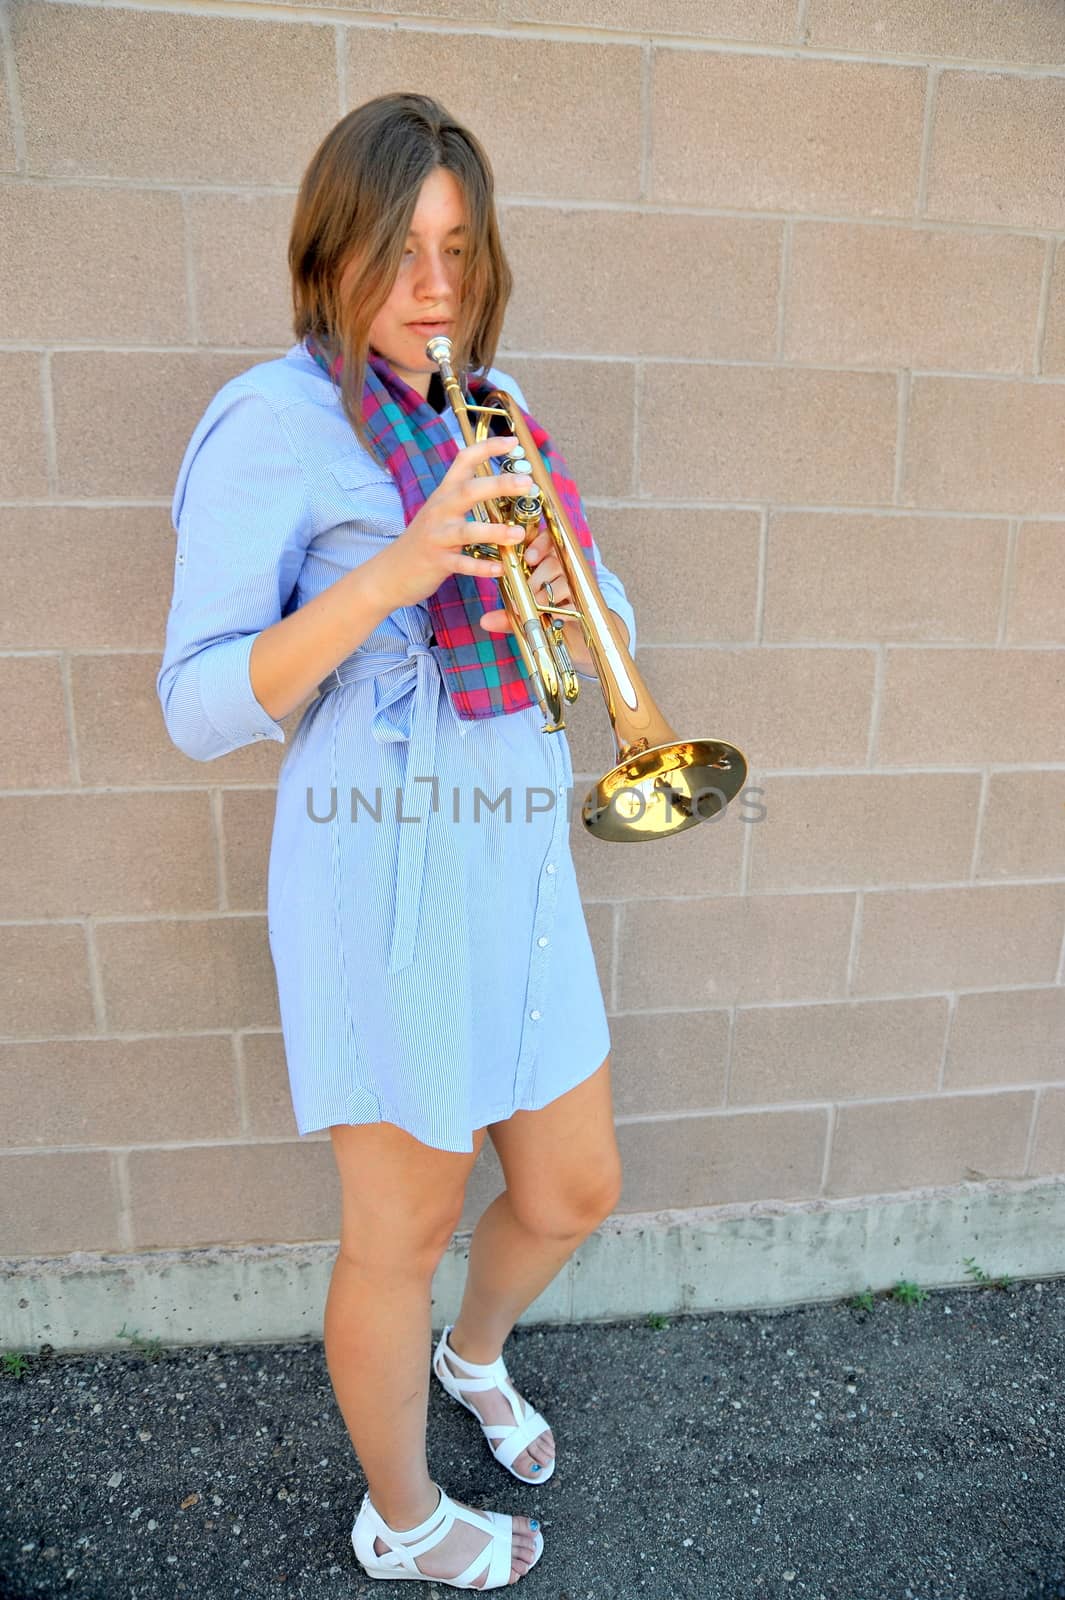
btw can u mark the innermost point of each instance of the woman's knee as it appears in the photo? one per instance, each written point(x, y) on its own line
point(383, 1238)
point(381, 1246)
point(571, 1208)
point(562, 1163)
point(401, 1201)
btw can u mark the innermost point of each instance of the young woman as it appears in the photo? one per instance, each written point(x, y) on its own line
point(435, 977)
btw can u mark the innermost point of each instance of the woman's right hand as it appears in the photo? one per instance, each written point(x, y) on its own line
point(430, 547)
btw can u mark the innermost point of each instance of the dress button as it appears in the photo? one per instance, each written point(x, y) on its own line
point(550, 867)
point(535, 1015)
point(542, 941)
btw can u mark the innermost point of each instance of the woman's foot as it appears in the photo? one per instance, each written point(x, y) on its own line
point(492, 1405)
point(462, 1544)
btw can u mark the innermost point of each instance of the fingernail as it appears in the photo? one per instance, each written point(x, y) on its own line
point(536, 1466)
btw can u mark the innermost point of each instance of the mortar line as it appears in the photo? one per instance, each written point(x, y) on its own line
point(341, 70)
point(14, 94)
point(924, 158)
point(703, 44)
point(569, 203)
point(1053, 246)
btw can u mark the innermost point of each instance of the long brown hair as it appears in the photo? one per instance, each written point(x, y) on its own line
point(357, 197)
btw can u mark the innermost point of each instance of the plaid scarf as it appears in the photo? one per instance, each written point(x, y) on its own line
point(484, 672)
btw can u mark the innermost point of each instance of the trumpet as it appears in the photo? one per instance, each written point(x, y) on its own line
point(660, 784)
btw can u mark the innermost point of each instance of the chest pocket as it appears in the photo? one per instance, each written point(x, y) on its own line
point(369, 496)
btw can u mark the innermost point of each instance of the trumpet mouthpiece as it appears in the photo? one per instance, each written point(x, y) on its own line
point(439, 349)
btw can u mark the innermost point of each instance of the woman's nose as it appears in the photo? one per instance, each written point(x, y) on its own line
point(433, 276)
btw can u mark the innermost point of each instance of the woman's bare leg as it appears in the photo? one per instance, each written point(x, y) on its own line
point(563, 1175)
point(400, 1203)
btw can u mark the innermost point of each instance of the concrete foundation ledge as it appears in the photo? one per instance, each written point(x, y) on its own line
point(725, 1258)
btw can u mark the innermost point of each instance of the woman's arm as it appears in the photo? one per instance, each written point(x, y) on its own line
point(234, 662)
point(291, 657)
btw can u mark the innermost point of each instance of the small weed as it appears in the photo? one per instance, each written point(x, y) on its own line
point(15, 1364)
point(984, 1279)
point(862, 1302)
point(657, 1322)
point(908, 1293)
point(151, 1349)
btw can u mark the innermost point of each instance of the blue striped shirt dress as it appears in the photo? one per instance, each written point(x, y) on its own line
point(433, 963)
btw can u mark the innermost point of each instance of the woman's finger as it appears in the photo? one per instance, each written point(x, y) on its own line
point(497, 621)
point(550, 572)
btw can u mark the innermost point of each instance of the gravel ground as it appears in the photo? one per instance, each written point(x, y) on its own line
point(907, 1452)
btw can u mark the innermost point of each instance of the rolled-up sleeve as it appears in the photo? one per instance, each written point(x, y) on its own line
point(242, 515)
point(610, 585)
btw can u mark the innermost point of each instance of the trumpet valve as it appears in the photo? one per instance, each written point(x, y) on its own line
point(528, 508)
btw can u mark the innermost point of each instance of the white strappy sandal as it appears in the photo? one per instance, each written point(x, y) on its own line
point(398, 1561)
point(506, 1440)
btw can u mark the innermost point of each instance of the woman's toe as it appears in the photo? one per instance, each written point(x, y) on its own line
point(521, 1556)
point(523, 1538)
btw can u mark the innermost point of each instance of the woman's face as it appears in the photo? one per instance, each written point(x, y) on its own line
point(428, 284)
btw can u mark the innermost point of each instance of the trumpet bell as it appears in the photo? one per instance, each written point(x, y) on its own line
point(660, 791)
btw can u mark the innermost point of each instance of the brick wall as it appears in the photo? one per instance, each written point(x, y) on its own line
point(791, 294)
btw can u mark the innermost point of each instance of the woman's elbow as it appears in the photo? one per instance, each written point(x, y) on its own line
point(187, 728)
point(193, 739)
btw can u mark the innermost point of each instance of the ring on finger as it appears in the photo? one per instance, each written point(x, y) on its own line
point(550, 593)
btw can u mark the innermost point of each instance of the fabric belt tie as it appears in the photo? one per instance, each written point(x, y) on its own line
point(407, 689)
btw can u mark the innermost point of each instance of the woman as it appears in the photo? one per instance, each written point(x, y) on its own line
point(435, 976)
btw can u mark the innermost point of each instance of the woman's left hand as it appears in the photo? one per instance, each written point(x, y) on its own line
point(545, 566)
